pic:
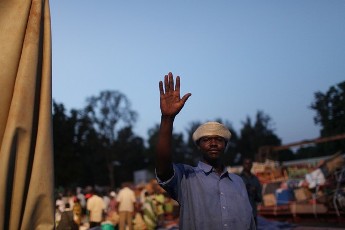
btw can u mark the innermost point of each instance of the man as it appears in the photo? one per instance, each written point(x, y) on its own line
point(209, 196)
point(68, 219)
point(77, 211)
point(252, 184)
point(95, 207)
point(112, 213)
point(126, 206)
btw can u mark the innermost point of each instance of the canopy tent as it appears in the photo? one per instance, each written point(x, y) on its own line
point(26, 153)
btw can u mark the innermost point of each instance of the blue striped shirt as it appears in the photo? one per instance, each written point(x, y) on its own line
point(209, 201)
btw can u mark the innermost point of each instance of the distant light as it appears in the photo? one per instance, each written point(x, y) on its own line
point(116, 163)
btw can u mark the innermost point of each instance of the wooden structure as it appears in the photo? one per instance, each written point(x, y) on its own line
point(268, 152)
point(323, 203)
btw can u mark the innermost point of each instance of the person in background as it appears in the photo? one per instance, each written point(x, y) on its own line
point(81, 197)
point(59, 208)
point(67, 219)
point(209, 196)
point(158, 200)
point(126, 206)
point(96, 208)
point(168, 207)
point(149, 211)
point(59, 203)
point(77, 211)
point(112, 214)
point(106, 198)
point(253, 185)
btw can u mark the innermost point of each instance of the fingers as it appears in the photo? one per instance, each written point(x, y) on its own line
point(171, 81)
point(169, 84)
point(161, 91)
point(166, 83)
point(177, 86)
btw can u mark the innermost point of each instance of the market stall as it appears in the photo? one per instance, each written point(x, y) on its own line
point(311, 188)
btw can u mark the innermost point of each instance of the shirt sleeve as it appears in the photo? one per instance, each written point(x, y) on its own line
point(252, 224)
point(119, 197)
point(133, 198)
point(171, 186)
point(88, 204)
point(162, 183)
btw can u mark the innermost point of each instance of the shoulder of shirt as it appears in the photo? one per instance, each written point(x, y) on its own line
point(235, 177)
point(184, 166)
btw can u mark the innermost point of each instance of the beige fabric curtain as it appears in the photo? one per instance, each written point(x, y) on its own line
point(26, 155)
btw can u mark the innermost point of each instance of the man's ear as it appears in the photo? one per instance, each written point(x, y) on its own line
point(227, 145)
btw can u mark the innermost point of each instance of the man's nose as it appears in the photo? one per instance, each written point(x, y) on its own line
point(213, 141)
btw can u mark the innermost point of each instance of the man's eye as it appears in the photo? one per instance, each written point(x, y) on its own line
point(209, 139)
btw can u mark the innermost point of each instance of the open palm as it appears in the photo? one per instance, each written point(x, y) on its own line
point(170, 101)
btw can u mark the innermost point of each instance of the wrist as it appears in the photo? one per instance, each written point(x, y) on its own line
point(167, 117)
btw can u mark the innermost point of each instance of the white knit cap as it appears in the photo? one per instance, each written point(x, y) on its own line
point(211, 128)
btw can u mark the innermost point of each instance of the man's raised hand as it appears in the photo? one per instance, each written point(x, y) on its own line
point(170, 101)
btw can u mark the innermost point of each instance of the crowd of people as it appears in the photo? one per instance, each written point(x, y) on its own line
point(145, 206)
point(133, 207)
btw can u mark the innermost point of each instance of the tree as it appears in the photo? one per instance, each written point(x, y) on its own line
point(150, 151)
point(130, 157)
point(330, 115)
point(76, 148)
point(231, 154)
point(63, 133)
point(180, 150)
point(193, 154)
point(90, 146)
point(253, 136)
point(108, 112)
point(85, 140)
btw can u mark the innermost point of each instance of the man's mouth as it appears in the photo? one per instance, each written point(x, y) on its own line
point(214, 151)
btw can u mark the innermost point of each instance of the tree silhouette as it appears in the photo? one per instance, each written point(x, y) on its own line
point(108, 112)
point(253, 136)
point(330, 115)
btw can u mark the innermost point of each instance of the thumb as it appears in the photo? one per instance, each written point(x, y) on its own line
point(185, 97)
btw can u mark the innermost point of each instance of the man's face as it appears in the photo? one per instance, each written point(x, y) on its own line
point(247, 165)
point(212, 147)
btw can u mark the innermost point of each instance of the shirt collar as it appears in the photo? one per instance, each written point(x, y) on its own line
point(208, 169)
point(205, 167)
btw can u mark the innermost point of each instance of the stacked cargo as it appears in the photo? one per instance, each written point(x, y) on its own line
point(313, 186)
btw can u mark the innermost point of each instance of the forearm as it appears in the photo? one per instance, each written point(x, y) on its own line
point(164, 148)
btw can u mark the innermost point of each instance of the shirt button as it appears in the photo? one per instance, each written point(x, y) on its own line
point(225, 225)
point(221, 193)
point(223, 207)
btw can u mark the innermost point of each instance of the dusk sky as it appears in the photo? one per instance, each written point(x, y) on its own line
point(235, 57)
